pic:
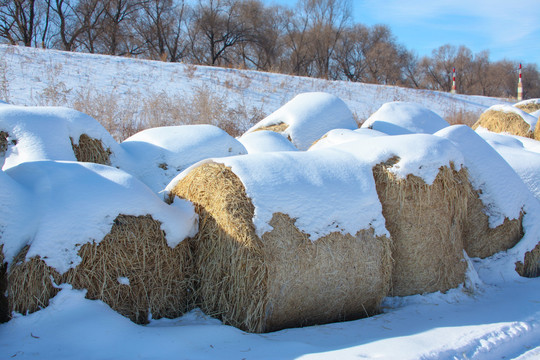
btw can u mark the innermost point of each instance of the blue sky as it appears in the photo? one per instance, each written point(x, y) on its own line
point(508, 29)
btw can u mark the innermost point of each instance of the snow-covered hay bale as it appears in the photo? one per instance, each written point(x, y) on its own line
point(307, 117)
point(101, 230)
point(265, 141)
point(401, 118)
point(422, 187)
point(496, 198)
point(426, 224)
point(162, 153)
point(132, 269)
point(529, 106)
point(273, 250)
point(507, 119)
point(54, 133)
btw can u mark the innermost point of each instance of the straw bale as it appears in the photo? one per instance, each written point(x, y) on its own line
point(284, 279)
point(30, 283)
point(529, 107)
point(536, 133)
point(4, 312)
point(91, 150)
point(501, 121)
point(480, 240)
point(279, 128)
point(3, 142)
point(135, 249)
point(530, 267)
point(426, 225)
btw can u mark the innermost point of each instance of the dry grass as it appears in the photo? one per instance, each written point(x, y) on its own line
point(91, 150)
point(530, 267)
point(462, 116)
point(136, 249)
point(426, 225)
point(482, 241)
point(503, 122)
point(284, 279)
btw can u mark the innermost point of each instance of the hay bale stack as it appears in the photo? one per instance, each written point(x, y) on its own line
point(87, 149)
point(481, 240)
point(530, 266)
point(282, 278)
point(529, 106)
point(506, 119)
point(132, 269)
point(426, 225)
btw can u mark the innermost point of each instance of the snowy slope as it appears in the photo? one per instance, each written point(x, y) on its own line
point(35, 76)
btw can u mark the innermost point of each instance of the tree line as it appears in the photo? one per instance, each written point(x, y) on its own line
point(315, 38)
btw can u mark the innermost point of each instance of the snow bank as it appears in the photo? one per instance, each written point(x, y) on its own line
point(340, 136)
point(265, 141)
point(43, 133)
point(76, 203)
point(161, 153)
point(525, 163)
point(501, 190)
point(400, 118)
point(309, 116)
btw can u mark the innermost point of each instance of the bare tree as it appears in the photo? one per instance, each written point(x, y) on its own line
point(18, 21)
point(216, 28)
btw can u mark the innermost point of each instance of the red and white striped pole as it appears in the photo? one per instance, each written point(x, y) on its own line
point(453, 91)
point(520, 86)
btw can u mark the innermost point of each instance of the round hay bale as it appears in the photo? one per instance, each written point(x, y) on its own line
point(426, 225)
point(279, 128)
point(481, 240)
point(530, 267)
point(536, 133)
point(529, 106)
point(88, 149)
point(281, 279)
point(132, 269)
point(496, 119)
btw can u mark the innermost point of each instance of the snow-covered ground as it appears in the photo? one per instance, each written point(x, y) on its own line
point(494, 315)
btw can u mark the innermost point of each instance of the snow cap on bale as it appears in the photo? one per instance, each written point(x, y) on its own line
point(507, 119)
point(525, 162)
point(287, 239)
point(340, 136)
point(54, 133)
point(401, 118)
point(529, 106)
point(498, 197)
point(265, 141)
point(307, 117)
point(421, 185)
point(162, 153)
point(101, 229)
